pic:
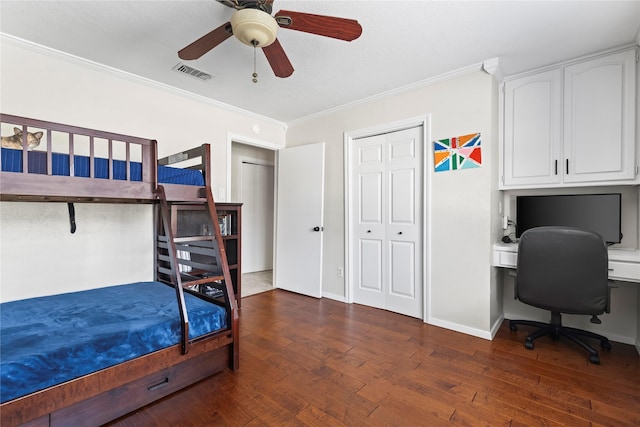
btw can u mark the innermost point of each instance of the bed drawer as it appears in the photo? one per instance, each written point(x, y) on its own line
point(38, 422)
point(122, 400)
point(225, 339)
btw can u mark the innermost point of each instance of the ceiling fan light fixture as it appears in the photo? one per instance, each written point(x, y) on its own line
point(254, 27)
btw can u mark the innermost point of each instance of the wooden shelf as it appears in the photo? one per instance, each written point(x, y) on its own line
point(191, 223)
point(233, 242)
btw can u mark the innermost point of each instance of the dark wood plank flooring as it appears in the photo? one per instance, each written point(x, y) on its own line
point(322, 363)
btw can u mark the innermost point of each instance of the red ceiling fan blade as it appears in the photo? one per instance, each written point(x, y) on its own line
point(207, 42)
point(328, 26)
point(278, 59)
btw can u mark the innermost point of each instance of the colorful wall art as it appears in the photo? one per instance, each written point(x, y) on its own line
point(461, 152)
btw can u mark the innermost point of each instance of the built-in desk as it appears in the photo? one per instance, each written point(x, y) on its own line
point(621, 325)
point(624, 264)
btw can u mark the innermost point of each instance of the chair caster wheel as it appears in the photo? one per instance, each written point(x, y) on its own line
point(513, 327)
point(594, 359)
point(528, 345)
point(606, 345)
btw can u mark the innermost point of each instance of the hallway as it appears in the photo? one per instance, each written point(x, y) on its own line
point(257, 282)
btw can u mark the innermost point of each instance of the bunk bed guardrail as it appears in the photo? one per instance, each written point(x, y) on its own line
point(113, 166)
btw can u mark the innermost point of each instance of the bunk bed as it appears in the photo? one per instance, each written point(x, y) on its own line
point(90, 371)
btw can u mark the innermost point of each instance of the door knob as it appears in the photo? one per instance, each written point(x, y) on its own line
point(318, 228)
point(399, 232)
point(368, 231)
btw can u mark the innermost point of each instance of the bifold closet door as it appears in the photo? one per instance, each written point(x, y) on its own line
point(387, 221)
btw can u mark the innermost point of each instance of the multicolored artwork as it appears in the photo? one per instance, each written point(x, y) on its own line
point(461, 152)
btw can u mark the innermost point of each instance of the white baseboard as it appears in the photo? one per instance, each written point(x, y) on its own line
point(461, 328)
point(336, 297)
point(496, 326)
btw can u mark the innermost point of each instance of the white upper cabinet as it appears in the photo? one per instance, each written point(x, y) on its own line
point(572, 125)
point(532, 129)
point(599, 119)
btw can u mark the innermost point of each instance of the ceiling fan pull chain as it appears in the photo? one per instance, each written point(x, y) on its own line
point(255, 74)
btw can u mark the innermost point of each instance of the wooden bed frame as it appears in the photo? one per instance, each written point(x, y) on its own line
point(100, 397)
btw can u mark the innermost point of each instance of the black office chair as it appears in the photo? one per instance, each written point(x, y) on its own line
point(563, 270)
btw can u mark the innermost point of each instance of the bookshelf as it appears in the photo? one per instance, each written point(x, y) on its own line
point(192, 220)
point(230, 222)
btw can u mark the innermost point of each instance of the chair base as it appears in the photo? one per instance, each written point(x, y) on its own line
point(556, 329)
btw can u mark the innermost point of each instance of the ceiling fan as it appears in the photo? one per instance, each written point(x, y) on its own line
point(253, 25)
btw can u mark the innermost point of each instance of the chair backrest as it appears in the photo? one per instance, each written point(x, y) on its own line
point(563, 270)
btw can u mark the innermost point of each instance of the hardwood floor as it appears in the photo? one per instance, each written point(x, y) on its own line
point(321, 363)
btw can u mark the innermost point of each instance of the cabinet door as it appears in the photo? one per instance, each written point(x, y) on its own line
point(599, 119)
point(532, 130)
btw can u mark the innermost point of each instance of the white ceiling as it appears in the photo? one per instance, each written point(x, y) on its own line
point(402, 43)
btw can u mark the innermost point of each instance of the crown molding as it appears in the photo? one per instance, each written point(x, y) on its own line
point(57, 54)
point(394, 92)
point(574, 60)
point(492, 67)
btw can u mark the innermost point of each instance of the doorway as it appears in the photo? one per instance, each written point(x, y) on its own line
point(252, 184)
point(256, 194)
point(307, 161)
point(386, 217)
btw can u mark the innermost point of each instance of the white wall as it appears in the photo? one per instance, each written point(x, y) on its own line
point(113, 244)
point(244, 152)
point(258, 207)
point(461, 203)
point(47, 85)
point(497, 206)
point(42, 84)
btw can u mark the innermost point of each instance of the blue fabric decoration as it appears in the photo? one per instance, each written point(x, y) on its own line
point(48, 340)
point(12, 162)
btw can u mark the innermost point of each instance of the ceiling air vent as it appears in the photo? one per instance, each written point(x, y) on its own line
point(181, 68)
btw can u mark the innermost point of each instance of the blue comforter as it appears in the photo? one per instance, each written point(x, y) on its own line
point(12, 162)
point(48, 340)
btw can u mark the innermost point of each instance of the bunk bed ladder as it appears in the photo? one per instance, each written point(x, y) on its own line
point(192, 257)
point(166, 263)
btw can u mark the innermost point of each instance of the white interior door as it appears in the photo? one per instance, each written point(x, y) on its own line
point(256, 193)
point(404, 221)
point(387, 221)
point(300, 204)
point(369, 223)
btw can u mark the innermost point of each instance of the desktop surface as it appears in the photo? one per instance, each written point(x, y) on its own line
point(624, 264)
